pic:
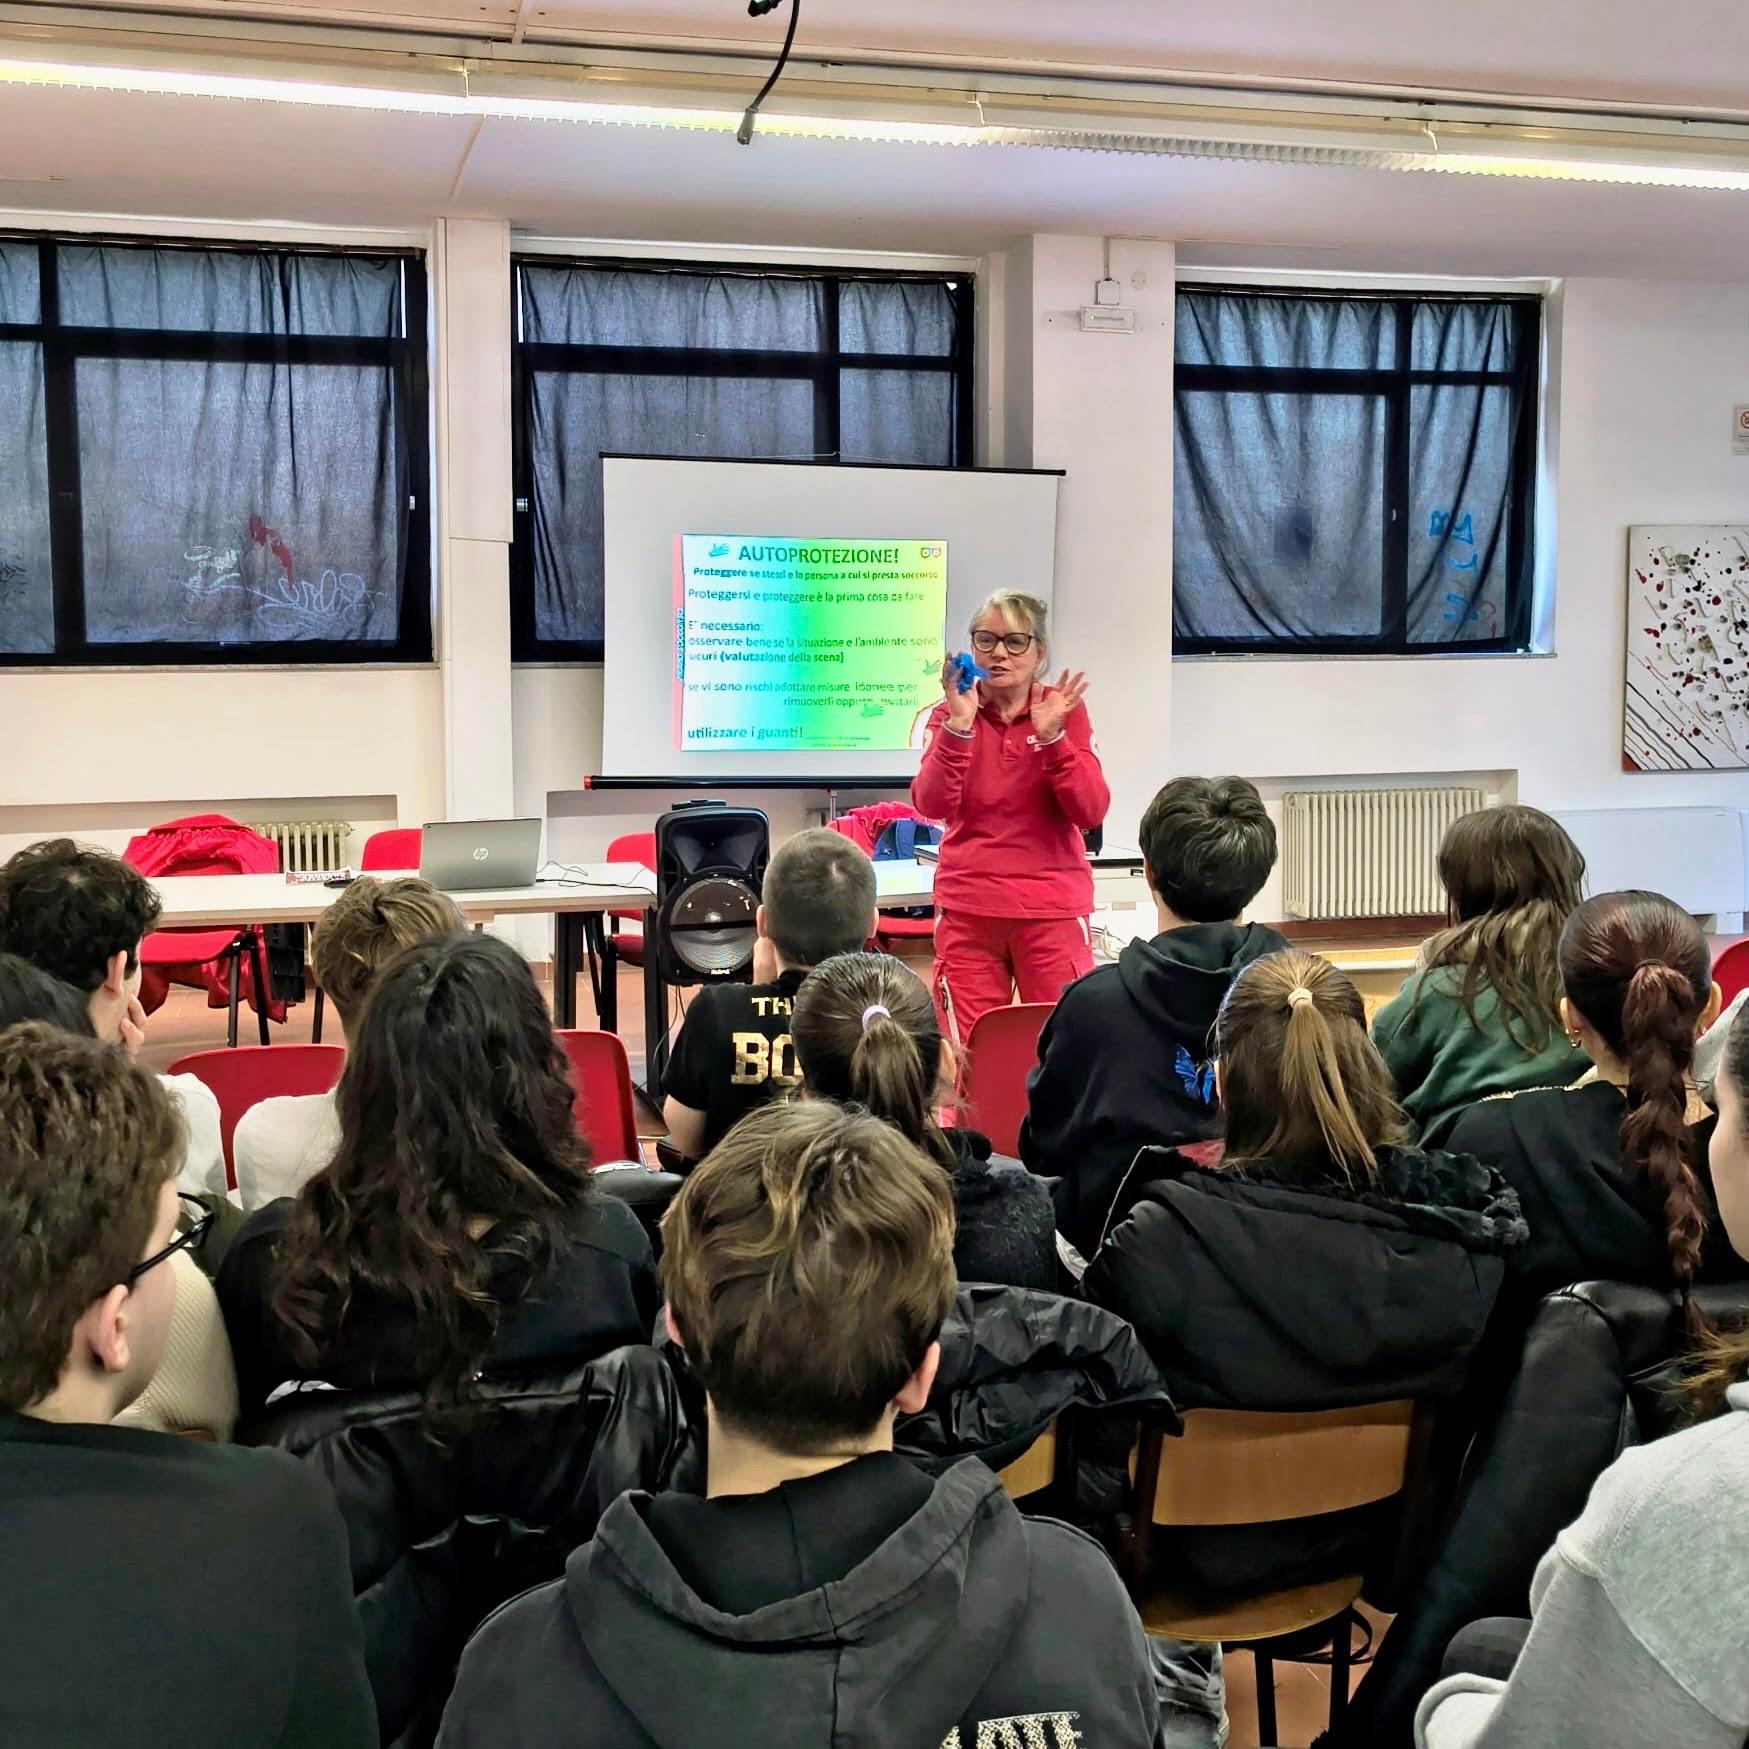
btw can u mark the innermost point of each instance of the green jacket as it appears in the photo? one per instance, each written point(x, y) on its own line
point(1442, 1061)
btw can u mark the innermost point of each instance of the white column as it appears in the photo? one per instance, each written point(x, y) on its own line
point(1100, 406)
point(471, 303)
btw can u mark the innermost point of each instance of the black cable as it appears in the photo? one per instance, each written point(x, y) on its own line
point(755, 9)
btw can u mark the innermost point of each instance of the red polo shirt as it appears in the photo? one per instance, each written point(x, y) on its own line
point(1013, 814)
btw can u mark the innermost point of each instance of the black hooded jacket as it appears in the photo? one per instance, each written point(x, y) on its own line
point(1267, 1288)
point(1123, 1064)
point(867, 1608)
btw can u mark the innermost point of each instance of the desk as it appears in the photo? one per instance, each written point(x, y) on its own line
point(913, 882)
point(576, 905)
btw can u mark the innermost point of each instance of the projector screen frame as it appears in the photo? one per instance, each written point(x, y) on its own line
point(695, 782)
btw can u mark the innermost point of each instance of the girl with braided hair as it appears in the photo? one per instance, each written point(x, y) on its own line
point(1611, 1171)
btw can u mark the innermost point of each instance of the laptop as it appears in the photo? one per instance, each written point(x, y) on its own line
point(464, 856)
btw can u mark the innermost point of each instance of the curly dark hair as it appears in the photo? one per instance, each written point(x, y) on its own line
point(69, 910)
point(457, 1153)
point(1636, 966)
point(87, 1143)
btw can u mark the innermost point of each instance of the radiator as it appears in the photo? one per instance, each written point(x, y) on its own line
point(1367, 852)
point(307, 846)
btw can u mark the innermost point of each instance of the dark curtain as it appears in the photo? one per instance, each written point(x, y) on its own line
point(1352, 472)
point(236, 499)
point(689, 363)
point(27, 607)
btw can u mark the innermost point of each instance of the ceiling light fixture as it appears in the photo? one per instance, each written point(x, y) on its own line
point(963, 110)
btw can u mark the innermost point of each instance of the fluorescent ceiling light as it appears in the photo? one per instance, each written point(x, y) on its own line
point(1271, 129)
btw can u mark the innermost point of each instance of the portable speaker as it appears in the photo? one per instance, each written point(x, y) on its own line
point(710, 865)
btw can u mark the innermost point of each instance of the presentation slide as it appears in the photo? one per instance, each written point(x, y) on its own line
point(808, 648)
point(815, 645)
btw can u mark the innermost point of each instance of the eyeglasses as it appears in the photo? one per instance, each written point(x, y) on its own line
point(200, 1219)
point(1015, 643)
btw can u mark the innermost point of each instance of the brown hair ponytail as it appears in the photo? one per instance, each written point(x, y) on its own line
point(1300, 1079)
point(865, 1034)
point(1636, 967)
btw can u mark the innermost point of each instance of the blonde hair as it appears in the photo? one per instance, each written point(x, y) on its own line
point(367, 926)
point(808, 1264)
point(1300, 1078)
point(1022, 609)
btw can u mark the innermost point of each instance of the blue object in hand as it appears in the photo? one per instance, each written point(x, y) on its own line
point(967, 672)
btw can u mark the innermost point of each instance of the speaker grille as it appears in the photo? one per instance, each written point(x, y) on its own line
point(710, 926)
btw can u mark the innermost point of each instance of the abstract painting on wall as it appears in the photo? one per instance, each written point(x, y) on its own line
point(1688, 649)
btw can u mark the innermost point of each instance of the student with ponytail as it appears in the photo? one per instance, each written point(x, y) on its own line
point(1326, 1261)
point(1639, 1634)
point(865, 1033)
point(1611, 1171)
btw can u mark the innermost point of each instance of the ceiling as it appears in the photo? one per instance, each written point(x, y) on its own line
point(1685, 52)
point(67, 150)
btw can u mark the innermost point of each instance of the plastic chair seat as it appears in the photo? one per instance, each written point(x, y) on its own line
point(245, 1075)
point(999, 1054)
point(187, 947)
point(602, 1107)
point(905, 928)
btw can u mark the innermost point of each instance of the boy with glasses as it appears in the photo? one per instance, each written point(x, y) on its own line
point(154, 1589)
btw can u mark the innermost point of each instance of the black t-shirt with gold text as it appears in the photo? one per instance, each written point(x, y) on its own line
point(733, 1052)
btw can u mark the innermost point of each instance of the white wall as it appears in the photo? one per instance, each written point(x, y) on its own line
point(1648, 373)
point(1100, 406)
point(1644, 375)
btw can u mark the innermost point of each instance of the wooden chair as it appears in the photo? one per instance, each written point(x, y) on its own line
point(1238, 1467)
point(1034, 1470)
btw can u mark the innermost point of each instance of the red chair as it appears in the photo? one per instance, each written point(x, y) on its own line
point(628, 944)
point(863, 827)
point(207, 844)
point(244, 1077)
point(1731, 971)
point(400, 847)
point(999, 1054)
point(603, 1104)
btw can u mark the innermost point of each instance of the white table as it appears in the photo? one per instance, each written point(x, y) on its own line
point(574, 896)
point(913, 883)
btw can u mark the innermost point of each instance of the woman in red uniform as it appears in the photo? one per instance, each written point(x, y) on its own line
point(1012, 771)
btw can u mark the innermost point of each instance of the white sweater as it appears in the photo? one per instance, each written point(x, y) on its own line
point(281, 1144)
point(195, 1386)
point(1641, 1633)
point(203, 1161)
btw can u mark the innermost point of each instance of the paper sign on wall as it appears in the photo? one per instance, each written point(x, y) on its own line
point(1740, 431)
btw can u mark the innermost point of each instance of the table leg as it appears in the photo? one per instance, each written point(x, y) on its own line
point(655, 1016)
point(565, 932)
point(603, 972)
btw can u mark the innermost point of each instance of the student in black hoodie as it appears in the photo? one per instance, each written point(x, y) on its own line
point(1123, 1060)
point(824, 1592)
point(866, 1034)
point(1325, 1263)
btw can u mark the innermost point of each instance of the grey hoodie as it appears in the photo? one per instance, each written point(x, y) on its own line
point(1641, 1629)
point(959, 1622)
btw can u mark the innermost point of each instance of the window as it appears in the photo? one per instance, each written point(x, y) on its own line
point(755, 364)
point(1353, 472)
point(211, 454)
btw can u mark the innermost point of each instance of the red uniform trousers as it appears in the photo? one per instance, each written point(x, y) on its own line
point(981, 961)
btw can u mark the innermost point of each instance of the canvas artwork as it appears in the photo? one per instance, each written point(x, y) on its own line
point(1687, 649)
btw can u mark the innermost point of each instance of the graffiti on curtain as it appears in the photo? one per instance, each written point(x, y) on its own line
point(338, 604)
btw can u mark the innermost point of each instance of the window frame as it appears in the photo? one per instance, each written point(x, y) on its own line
point(63, 348)
point(820, 367)
point(1394, 386)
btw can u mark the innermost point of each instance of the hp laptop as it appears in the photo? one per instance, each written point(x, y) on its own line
point(463, 856)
